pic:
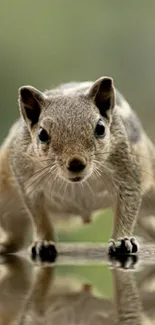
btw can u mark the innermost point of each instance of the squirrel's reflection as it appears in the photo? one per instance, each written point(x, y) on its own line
point(29, 295)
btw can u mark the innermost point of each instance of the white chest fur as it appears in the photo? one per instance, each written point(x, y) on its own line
point(80, 198)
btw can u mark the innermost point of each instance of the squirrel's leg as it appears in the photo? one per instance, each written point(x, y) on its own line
point(15, 227)
point(44, 236)
point(126, 212)
point(44, 243)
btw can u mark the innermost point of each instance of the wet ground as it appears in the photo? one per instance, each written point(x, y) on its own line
point(82, 287)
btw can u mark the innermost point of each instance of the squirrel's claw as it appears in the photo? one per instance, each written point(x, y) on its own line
point(122, 246)
point(45, 251)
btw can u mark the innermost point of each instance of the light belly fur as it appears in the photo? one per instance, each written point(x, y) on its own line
point(81, 199)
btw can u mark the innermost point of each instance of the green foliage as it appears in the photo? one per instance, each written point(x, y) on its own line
point(97, 231)
point(44, 43)
point(94, 275)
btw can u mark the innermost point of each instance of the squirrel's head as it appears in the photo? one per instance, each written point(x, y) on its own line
point(70, 128)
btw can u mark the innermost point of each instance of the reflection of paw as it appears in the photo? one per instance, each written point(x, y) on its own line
point(122, 246)
point(125, 262)
point(45, 251)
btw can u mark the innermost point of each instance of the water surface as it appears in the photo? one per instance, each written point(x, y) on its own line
point(77, 290)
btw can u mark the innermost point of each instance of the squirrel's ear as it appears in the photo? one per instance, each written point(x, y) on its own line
point(103, 95)
point(30, 102)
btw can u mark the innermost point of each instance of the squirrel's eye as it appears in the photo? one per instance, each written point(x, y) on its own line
point(43, 135)
point(100, 129)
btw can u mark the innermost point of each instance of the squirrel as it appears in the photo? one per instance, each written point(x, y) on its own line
point(75, 149)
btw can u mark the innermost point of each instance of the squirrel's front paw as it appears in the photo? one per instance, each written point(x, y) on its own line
point(44, 250)
point(122, 246)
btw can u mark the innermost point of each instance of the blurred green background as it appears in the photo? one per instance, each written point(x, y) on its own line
point(44, 43)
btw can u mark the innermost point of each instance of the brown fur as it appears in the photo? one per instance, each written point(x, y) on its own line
point(34, 178)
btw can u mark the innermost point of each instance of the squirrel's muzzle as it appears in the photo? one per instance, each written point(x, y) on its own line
point(76, 165)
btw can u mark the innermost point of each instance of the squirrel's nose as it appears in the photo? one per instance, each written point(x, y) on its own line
point(76, 165)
